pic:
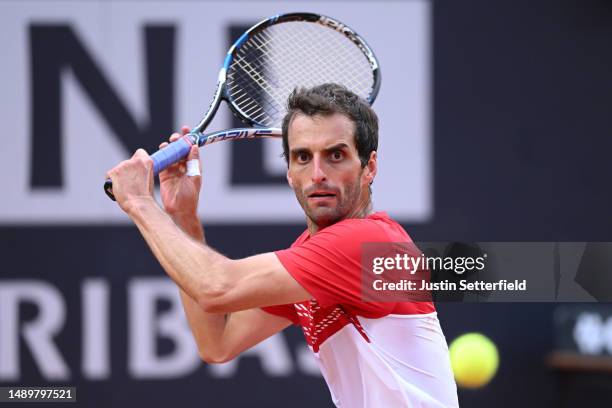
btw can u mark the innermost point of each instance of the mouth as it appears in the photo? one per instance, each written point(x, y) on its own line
point(321, 195)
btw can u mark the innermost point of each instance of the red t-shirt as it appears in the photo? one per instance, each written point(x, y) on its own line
point(328, 266)
point(371, 354)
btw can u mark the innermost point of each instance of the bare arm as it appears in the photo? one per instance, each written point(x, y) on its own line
point(219, 337)
point(218, 284)
point(222, 336)
point(212, 284)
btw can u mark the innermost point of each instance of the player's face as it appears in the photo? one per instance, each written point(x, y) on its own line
point(324, 168)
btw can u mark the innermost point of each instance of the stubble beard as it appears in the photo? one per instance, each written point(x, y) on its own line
point(324, 216)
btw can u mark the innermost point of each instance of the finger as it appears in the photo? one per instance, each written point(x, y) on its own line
point(185, 129)
point(170, 171)
point(194, 153)
point(114, 170)
point(162, 145)
point(141, 154)
point(193, 165)
point(111, 172)
point(174, 137)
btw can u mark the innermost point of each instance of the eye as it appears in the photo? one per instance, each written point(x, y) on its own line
point(302, 157)
point(337, 155)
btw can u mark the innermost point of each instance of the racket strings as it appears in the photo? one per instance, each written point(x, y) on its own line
point(321, 54)
point(269, 65)
point(251, 60)
point(338, 50)
point(244, 99)
point(246, 83)
point(341, 54)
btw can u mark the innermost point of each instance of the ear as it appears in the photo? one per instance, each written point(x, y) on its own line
point(371, 168)
point(289, 179)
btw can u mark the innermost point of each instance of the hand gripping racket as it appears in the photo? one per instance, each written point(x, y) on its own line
point(265, 65)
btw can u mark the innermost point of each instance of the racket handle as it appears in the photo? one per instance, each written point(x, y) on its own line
point(163, 158)
point(172, 153)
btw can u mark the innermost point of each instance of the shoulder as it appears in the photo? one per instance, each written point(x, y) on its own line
point(377, 227)
point(301, 239)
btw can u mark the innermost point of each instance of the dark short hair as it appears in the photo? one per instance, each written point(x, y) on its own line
point(326, 100)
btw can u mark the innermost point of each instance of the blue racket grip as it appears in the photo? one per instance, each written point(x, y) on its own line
point(170, 154)
point(162, 158)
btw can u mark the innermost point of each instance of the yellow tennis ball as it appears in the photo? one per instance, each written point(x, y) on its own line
point(474, 359)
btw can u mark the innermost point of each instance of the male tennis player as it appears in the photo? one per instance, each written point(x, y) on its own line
point(371, 354)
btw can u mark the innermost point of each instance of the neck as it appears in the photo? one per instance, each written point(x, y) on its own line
point(360, 211)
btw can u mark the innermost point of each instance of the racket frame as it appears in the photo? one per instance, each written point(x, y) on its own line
point(257, 130)
point(222, 93)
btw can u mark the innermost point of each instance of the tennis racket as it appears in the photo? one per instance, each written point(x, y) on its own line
point(265, 65)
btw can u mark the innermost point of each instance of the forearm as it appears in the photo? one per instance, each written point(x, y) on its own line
point(190, 224)
point(192, 265)
point(207, 328)
point(212, 284)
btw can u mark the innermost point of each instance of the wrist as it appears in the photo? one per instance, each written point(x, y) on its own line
point(189, 223)
point(184, 216)
point(134, 205)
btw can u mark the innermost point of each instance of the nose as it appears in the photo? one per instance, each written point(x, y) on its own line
point(318, 172)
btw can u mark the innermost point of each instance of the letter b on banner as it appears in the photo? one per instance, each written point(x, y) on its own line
point(146, 325)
